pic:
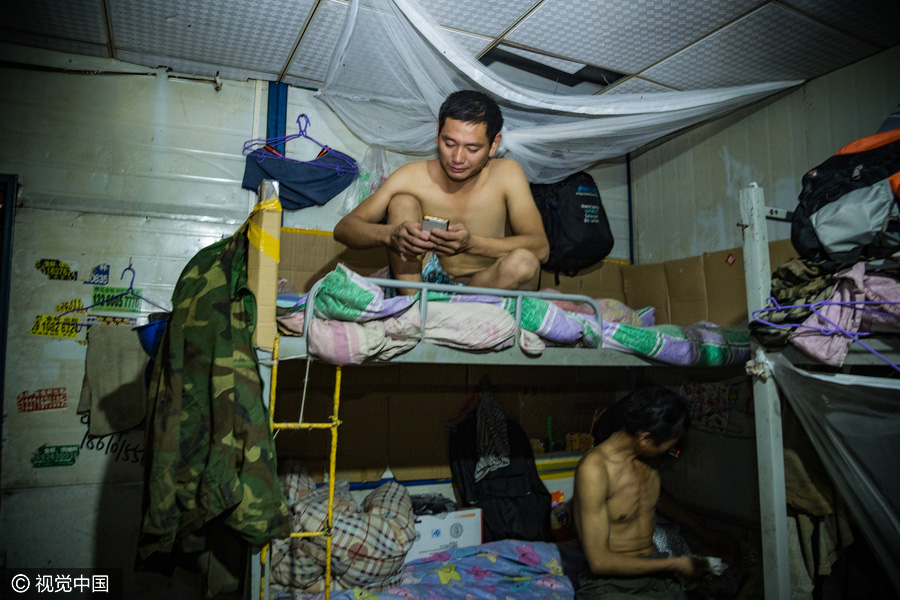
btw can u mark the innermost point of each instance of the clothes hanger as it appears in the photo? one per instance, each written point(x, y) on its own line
point(266, 148)
point(129, 292)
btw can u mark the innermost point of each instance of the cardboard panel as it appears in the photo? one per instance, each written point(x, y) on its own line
point(687, 291)
point(548, 415)
point(645, 285)
point(601, 281)
point(566, 285)
point(362, 449)
point(363, 436)
point(420, 408)
point(726, 289)
point(605, 282)
point(780, 252)
point(418, 446)
point(307, 256)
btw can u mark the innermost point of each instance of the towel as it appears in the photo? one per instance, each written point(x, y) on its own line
point(492, 440)
point(113, 391)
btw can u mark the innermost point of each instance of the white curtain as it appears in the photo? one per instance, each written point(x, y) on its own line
point(393, 67)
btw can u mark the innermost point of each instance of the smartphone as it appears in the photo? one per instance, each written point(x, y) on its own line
point(429, 223)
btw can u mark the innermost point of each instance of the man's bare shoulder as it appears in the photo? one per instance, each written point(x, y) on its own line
point(414, 169)
point(505, 166)
point(409, 176)
point(592, 464)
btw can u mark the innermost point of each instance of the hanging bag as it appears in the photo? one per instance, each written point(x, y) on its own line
point(575, 223)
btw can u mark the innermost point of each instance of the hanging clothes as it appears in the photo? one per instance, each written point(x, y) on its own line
point(212, 459)
point(114, 391)
point(301, 183)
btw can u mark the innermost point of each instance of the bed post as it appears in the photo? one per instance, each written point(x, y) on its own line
point(767, 407)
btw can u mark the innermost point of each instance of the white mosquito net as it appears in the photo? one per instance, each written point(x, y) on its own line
point(854, 425)
point(389, 95)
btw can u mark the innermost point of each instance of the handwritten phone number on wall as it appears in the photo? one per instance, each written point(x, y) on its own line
point(114, 444)
point(59, 584)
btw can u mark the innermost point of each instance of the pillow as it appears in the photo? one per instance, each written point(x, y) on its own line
point(470, 325)
point(617, 312)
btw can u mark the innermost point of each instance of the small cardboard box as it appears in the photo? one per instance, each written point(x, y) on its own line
point(445, 531)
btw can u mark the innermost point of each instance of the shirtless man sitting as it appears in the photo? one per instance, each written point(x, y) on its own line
point(616, 492)
point(495, 236)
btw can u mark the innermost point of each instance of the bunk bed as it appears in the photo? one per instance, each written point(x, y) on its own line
point(850, 419)
point(594, 347)
point(512, 328)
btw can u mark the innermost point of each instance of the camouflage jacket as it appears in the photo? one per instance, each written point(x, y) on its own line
point(796, 284)
point(211, 453)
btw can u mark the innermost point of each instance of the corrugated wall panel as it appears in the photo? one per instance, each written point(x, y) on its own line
point(692, 180)
point(612, 181)
point(854, 101)
point(145, 145)
point(158, 249)
point(117, 170)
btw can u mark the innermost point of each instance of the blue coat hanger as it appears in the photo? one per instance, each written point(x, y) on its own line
point(129, 292)
point(264, 148)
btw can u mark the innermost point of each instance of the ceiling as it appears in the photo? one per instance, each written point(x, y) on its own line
point(636, 45)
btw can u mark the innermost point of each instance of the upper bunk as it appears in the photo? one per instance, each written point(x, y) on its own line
point(813, 318)
point(613, 316)
point(616, 315)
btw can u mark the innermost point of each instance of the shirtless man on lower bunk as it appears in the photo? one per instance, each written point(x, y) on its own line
point(617, 488)
point(494, 236)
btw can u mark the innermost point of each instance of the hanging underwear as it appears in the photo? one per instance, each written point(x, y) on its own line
point(301, 184)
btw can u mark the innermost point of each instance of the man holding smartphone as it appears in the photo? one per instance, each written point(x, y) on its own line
point(483, 227)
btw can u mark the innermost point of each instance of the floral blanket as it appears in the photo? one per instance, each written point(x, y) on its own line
point(501, 570)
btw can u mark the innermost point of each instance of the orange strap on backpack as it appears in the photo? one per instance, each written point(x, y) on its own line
point(875, 140)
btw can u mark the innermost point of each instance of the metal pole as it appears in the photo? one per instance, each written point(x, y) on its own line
point(767, 406)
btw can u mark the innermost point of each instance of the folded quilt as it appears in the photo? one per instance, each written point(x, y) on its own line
point(698, 345)
point(354, 322)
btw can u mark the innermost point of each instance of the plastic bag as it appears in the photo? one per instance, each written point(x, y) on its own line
point(372, 171)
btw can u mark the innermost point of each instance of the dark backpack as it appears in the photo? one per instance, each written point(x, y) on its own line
point(575, 223)
point(513, 500)
point(848, 206)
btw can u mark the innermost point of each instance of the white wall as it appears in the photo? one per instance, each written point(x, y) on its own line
point(685, 190)
point(116, 170)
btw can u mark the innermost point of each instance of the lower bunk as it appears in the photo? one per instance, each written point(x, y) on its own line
point(370, 535)
point(369, 557)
